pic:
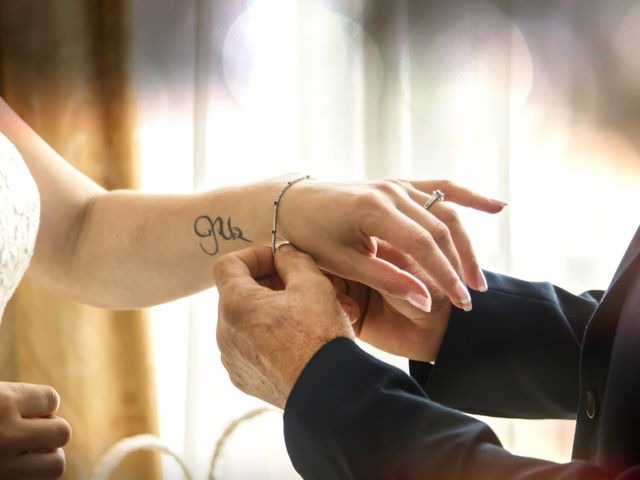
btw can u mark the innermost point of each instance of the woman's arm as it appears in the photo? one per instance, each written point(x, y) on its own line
point(125, 249)
point(134, 250)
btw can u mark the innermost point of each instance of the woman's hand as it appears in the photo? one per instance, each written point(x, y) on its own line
point(391, 324)
point(343, 225)
point(31, 436)
point(397, 328)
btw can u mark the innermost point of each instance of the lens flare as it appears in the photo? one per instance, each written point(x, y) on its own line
point(458, 65)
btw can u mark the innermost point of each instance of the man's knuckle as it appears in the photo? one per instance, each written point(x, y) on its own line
point(221, 266)
point(235, 302)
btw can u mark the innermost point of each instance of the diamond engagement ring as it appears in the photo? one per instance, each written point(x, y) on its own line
point(436, 196)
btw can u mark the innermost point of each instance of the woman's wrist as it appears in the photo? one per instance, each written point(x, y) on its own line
point(283, 215)
point(251, 206)
point(276, 210)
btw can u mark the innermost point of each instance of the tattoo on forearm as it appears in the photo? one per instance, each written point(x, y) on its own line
point(212, 230)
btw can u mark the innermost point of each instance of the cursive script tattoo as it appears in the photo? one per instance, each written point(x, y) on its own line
point(215, 229)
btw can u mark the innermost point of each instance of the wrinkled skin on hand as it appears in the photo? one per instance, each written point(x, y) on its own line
point(268, 329)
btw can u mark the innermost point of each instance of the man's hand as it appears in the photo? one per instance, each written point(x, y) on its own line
point(31, 436)
point(271, 321)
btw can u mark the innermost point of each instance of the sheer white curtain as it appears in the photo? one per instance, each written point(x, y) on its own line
point(506, 97)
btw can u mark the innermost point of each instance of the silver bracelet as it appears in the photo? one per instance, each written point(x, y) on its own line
point(276, 205)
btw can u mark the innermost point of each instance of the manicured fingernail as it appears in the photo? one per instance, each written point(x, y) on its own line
point(420, 301)
point(463, 295)
point(481, 281)
point(499, 202)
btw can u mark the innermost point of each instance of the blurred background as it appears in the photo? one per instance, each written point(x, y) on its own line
point(536, 103)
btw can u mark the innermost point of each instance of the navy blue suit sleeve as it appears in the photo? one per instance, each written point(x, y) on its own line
point(515, 354)
point(350, 416)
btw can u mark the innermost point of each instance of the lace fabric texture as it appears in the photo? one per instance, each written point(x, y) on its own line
point(19, 219)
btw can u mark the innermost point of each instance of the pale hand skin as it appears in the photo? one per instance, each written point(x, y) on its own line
point(355, 219)
point(398, 329)
point(124, 249)
point(267, 336)
point(31, 436)
point(394, 326)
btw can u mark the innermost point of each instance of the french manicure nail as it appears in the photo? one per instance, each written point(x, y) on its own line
point(481, 281)
point(420, 301)
point(463, 295)
point(499, 202)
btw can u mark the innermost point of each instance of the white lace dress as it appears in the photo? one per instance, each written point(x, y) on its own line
point(19, 219)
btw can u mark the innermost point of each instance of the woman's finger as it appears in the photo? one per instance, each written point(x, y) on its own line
point(447, 214)
point(405, 234)
point(460, 195)
point(387, 278)
point(401, 260)
point(408, 264)
point(473, 274)
point(438, 230)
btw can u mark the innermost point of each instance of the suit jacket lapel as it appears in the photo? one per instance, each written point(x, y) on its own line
point(604, 318)
point(633, 253)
